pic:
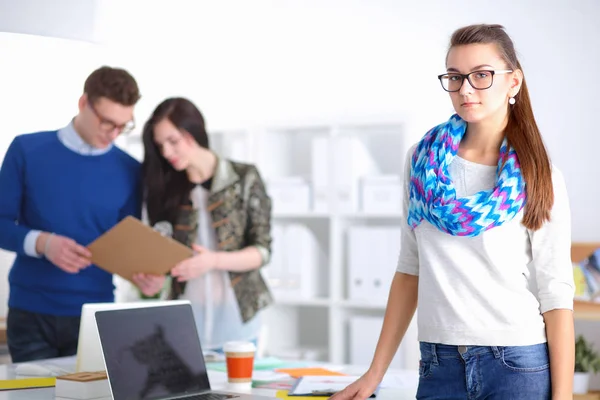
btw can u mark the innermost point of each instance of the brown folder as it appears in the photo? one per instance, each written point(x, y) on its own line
point(132, 247)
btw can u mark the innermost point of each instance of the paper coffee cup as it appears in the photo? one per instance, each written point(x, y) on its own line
point(240, 361)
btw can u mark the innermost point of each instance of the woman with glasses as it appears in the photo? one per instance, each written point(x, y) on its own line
point(485, 249)
point(219, 208)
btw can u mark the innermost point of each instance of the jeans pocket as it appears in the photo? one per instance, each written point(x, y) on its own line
point(424, 369)
point(532, 358)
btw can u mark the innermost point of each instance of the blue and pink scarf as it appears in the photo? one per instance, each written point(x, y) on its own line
point(432, 194)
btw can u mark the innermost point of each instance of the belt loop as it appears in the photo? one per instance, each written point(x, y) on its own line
point(434, 354)
point(496, 351)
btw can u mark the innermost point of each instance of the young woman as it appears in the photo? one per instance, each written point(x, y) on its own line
point(485, 250)
point(218, 207)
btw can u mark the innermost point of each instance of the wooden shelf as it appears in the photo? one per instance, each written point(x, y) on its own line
point(586, 310)
point(2, 331)
point(589, 396)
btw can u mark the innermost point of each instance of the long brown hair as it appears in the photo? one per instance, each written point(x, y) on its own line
point(521, 131)
point(165, 188)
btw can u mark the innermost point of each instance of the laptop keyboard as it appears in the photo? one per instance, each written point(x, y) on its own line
point(210, 396)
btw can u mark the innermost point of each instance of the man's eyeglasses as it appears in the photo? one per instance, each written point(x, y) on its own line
point(106, 125)
point(480, 80)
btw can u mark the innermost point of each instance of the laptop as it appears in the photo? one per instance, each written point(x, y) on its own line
point(89, 351)
point(154, 353)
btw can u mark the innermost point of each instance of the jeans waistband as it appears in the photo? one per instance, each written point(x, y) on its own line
point(435, 350)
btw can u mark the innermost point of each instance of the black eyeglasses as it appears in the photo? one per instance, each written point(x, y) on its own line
point(480, 80)
point(108, 126)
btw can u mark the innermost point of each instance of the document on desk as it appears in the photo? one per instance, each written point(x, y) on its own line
point(132, 247)
point(318, 386)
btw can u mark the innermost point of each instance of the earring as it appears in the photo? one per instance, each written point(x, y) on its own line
point(511, 100)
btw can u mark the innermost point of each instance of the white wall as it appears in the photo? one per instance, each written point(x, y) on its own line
point(41, 80)
point(67, 19)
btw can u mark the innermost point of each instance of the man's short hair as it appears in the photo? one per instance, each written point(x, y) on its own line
point(115, 84)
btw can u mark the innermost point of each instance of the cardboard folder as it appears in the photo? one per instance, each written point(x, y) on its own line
point(132, 247)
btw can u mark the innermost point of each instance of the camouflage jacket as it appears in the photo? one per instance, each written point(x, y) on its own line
point(241, 214)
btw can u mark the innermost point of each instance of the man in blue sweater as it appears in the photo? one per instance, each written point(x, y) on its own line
point(60, 190)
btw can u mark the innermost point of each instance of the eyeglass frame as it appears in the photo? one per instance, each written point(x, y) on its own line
point(123, 129)
point(468, 77)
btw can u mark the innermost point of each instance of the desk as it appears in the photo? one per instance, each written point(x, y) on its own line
point(218, 381)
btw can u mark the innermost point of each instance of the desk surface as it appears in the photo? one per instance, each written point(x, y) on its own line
point(218, 381)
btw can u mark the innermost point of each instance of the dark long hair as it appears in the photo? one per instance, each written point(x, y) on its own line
point(166, 189)
point(522, 132)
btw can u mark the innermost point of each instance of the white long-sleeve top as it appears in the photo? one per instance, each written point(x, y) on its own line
point(216, 311)
point(489, 290)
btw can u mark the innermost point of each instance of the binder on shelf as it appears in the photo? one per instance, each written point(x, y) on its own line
point(293, 271)
point(372, 253)
point(351, 161)
point(320, 158)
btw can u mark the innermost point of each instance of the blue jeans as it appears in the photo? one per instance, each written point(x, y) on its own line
point(32, 336)
point(483, 372)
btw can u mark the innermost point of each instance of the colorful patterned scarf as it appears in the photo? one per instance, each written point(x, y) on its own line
point(432, 194)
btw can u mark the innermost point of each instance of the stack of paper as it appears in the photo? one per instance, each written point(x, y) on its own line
point(83, 386)
point(317, 386)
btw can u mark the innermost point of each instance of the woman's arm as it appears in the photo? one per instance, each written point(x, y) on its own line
point(258, 233)
point(551, 259)
point(561, 344)
point(401, 307)
point(246, 259)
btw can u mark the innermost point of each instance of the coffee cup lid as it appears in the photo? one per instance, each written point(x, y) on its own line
point(239, 346)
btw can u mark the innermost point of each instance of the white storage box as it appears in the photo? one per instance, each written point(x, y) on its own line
point(289, 195)
point(382, 194)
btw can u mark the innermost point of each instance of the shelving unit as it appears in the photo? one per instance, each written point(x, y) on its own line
point(308, 157)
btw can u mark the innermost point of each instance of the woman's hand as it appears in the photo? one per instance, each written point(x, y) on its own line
point(195, 266)
point(361, 389)
point(149, 284)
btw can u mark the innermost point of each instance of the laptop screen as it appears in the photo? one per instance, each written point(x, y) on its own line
point(152, 352)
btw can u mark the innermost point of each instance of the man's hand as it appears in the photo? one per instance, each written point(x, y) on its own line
point(63, 252)
point(149, 284)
